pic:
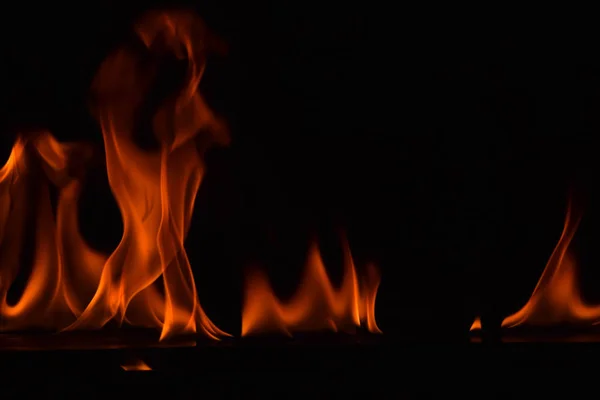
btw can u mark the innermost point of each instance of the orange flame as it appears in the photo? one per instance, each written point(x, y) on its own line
point(72, 286)
point(48, 299)
point(137, 365)
point(476, 325)
point(317, 305)
point(155, 191)
point(556, 298)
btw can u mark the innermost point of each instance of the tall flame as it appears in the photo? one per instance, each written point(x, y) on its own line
point(72, 286)
point(155, 191)
point(556, 299)
point(49, 298)
point(317, 305)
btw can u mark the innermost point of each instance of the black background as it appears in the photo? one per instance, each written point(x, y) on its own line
point(445, 150)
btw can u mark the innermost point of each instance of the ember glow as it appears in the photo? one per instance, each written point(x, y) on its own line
point(147, 280)
point(556, 299)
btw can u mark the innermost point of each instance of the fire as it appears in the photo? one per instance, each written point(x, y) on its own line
point(556, 299)
point(147, 280)
point(476, 325)
point(137, 365)
point(317, 305)
point(72, 286)
point(154, 190)
point(50, 298)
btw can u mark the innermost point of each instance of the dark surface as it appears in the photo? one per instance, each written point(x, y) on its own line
point(533, 334)
point(88, 340)
point(305, 368)
point(313, 365)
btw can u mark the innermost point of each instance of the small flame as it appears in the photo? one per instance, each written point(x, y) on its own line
point(138, 365)
point(476, 325)
point(556, 298)
point(317, 305)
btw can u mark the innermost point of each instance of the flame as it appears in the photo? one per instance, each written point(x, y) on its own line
point(155, 191)
point(72, 286)
point(137, 365)
point(317, 305)
point(476, 325)
point(49, 298)
point(556, 298)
